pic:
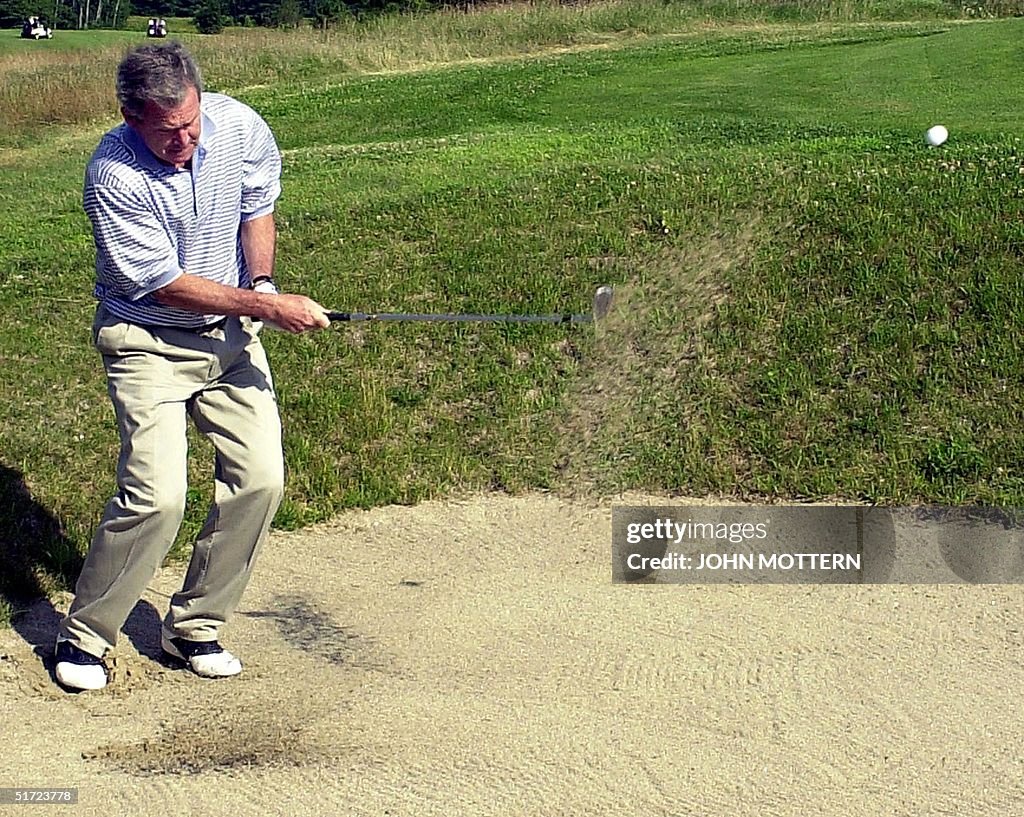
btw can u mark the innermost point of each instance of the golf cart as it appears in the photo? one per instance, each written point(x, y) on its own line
point(34, 29)
point(157, 28)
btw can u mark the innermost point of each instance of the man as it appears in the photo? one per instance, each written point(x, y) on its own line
point(181, 199)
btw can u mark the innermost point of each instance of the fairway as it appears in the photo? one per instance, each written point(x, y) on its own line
point(957, 74)
point(11, 44)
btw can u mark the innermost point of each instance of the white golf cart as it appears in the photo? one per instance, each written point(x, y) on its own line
point(34, 29)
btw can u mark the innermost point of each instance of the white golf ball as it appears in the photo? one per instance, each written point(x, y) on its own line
point(936, 135)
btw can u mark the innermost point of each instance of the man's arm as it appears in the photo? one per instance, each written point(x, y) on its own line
point(293, 313)
point(259, 240)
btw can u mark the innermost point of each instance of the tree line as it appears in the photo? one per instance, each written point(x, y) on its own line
point(63, 14)
point(210, 15)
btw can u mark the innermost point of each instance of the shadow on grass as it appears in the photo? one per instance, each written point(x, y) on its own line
point(37, 558)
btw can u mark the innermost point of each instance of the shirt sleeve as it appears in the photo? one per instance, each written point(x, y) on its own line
point(261, 181)
point(135, 256)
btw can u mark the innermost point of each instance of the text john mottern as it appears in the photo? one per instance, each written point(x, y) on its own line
point(669, 530)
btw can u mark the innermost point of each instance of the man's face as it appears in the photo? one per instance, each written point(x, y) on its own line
point(171, 133)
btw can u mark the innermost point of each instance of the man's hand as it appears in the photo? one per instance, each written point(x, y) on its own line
point(292, 313)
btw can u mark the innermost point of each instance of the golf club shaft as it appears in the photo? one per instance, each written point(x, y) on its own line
point(457, 318)
point(602, 302)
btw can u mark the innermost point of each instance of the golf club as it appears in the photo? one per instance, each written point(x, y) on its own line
point(601, 304)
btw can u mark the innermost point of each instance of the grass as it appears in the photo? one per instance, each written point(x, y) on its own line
point(70, 76)
point(811, 303)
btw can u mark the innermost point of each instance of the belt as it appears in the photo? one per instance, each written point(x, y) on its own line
point(196, 330)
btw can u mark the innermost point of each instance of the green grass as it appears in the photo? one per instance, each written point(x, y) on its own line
point(11, 43)
point(811, 303)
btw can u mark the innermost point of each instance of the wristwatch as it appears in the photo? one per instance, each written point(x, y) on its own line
point(265, 284)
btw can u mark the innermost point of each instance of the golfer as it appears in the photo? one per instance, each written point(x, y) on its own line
point(181, 198)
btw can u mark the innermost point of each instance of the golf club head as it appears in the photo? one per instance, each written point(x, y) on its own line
point(602, 301)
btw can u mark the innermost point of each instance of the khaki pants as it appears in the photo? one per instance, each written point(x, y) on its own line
point(156, 378)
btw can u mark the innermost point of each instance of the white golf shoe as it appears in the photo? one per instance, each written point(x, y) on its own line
point(77, 669)
point(206, 658)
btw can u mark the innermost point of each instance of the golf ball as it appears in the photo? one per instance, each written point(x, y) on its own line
point(936, 135)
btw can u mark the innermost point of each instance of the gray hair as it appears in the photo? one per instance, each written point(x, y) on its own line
point(160, 73)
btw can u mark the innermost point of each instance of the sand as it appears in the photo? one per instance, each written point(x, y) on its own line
point(472, 657)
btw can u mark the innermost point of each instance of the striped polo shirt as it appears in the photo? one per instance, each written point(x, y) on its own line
point(152, 222)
